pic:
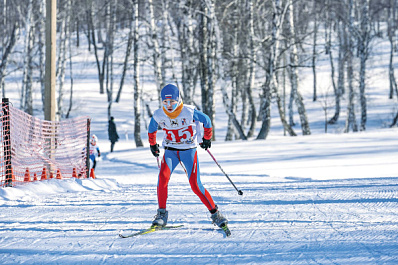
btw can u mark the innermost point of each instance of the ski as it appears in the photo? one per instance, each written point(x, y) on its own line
point(226, 230)
point(151, 230)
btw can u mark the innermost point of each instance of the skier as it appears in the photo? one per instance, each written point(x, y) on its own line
point(94, 152)
point(112, 132)
point(180, 124)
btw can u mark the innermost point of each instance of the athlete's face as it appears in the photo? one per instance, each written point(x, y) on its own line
point(170, 104)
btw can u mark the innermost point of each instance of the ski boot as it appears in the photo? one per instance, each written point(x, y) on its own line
point(160, 218)
point(219, 220)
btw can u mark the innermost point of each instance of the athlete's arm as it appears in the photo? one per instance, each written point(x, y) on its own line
point(203, 118)
point(152, 130)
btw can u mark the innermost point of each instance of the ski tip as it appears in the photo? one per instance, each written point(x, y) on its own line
point(226, 230)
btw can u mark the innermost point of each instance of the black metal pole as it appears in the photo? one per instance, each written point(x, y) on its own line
point(7, 142)
point(88, 149)
point(240, 192)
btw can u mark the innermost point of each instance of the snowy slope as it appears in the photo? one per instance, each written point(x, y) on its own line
point(322, 199)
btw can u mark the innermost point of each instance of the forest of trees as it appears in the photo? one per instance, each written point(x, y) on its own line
point(251, 50)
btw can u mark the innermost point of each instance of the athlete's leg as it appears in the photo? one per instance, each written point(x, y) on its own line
point(190, 160)
point(169, 163)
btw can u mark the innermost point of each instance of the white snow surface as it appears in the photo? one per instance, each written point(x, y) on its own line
point(322, 199)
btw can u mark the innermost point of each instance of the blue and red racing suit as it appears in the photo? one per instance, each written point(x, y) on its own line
point(181, 134)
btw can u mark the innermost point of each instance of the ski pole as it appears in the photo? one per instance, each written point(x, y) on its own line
point(157, 158)
point(239, 191)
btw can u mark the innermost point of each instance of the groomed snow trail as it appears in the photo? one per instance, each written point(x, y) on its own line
point(341, 221)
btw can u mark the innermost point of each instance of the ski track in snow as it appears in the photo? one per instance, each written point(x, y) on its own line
point(297, 222)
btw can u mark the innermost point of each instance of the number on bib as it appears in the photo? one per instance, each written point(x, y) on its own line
point(179, 135)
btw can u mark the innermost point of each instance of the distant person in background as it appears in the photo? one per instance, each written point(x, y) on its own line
point(94, 151)
point(112, 132)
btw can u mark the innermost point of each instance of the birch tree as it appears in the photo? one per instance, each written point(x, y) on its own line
point(363, 50)
point(391, 31)
point(234, 72)
point(314, 51)
point(136, 74)
point(207, 60)
point(26, 92)
point(294, 62)
point(156, 63)
point(265, 108)
point(42, 49)
point(8, 46)
point(130, 40)
point(270, 85)
point(93, 40)
point(339, 87)
point(62, 55)
point(71, 80)
point(252, 73)
point(188, 47)
point(351, 119)
point(222, 73)
point(110, 44)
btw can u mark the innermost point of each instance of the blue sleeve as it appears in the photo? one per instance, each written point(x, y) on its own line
point(203, 118)
point(153, 126)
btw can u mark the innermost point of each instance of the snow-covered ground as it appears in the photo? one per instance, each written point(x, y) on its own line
point(323, 199)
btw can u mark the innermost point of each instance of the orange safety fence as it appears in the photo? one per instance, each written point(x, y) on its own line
point(32, 149)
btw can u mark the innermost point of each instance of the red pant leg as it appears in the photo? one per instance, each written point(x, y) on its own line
point(197, 187)
point(163, 181)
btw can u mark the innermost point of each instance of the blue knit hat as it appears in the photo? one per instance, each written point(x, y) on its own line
point(170, 92)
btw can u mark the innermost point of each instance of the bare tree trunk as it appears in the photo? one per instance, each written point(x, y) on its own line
point(395, 121)
point(291, 99)
point(168, 42)
point(26, 93)
point(221, 67)
point(364, 40)
point(203, 46)
point(164, 36)
point(110, 40)
point(351, 120)
point(336, 89)
point(192, 48)
point(188, 46)
point(252, 77)
point(130, 40)
point(100, 68)
point(207, 58)
point(5, 56)
point(157, 66)
point(71, 80)
point(281, 111)
point(314, 52)
point(391, 38)
point(294, 74)
point(42, 50)
point(65, 18)
point(234, 80)
point(137, 89)
point(265, 108)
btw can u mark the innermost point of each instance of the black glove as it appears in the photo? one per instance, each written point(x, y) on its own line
point(205, 144)
point(155, 150)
